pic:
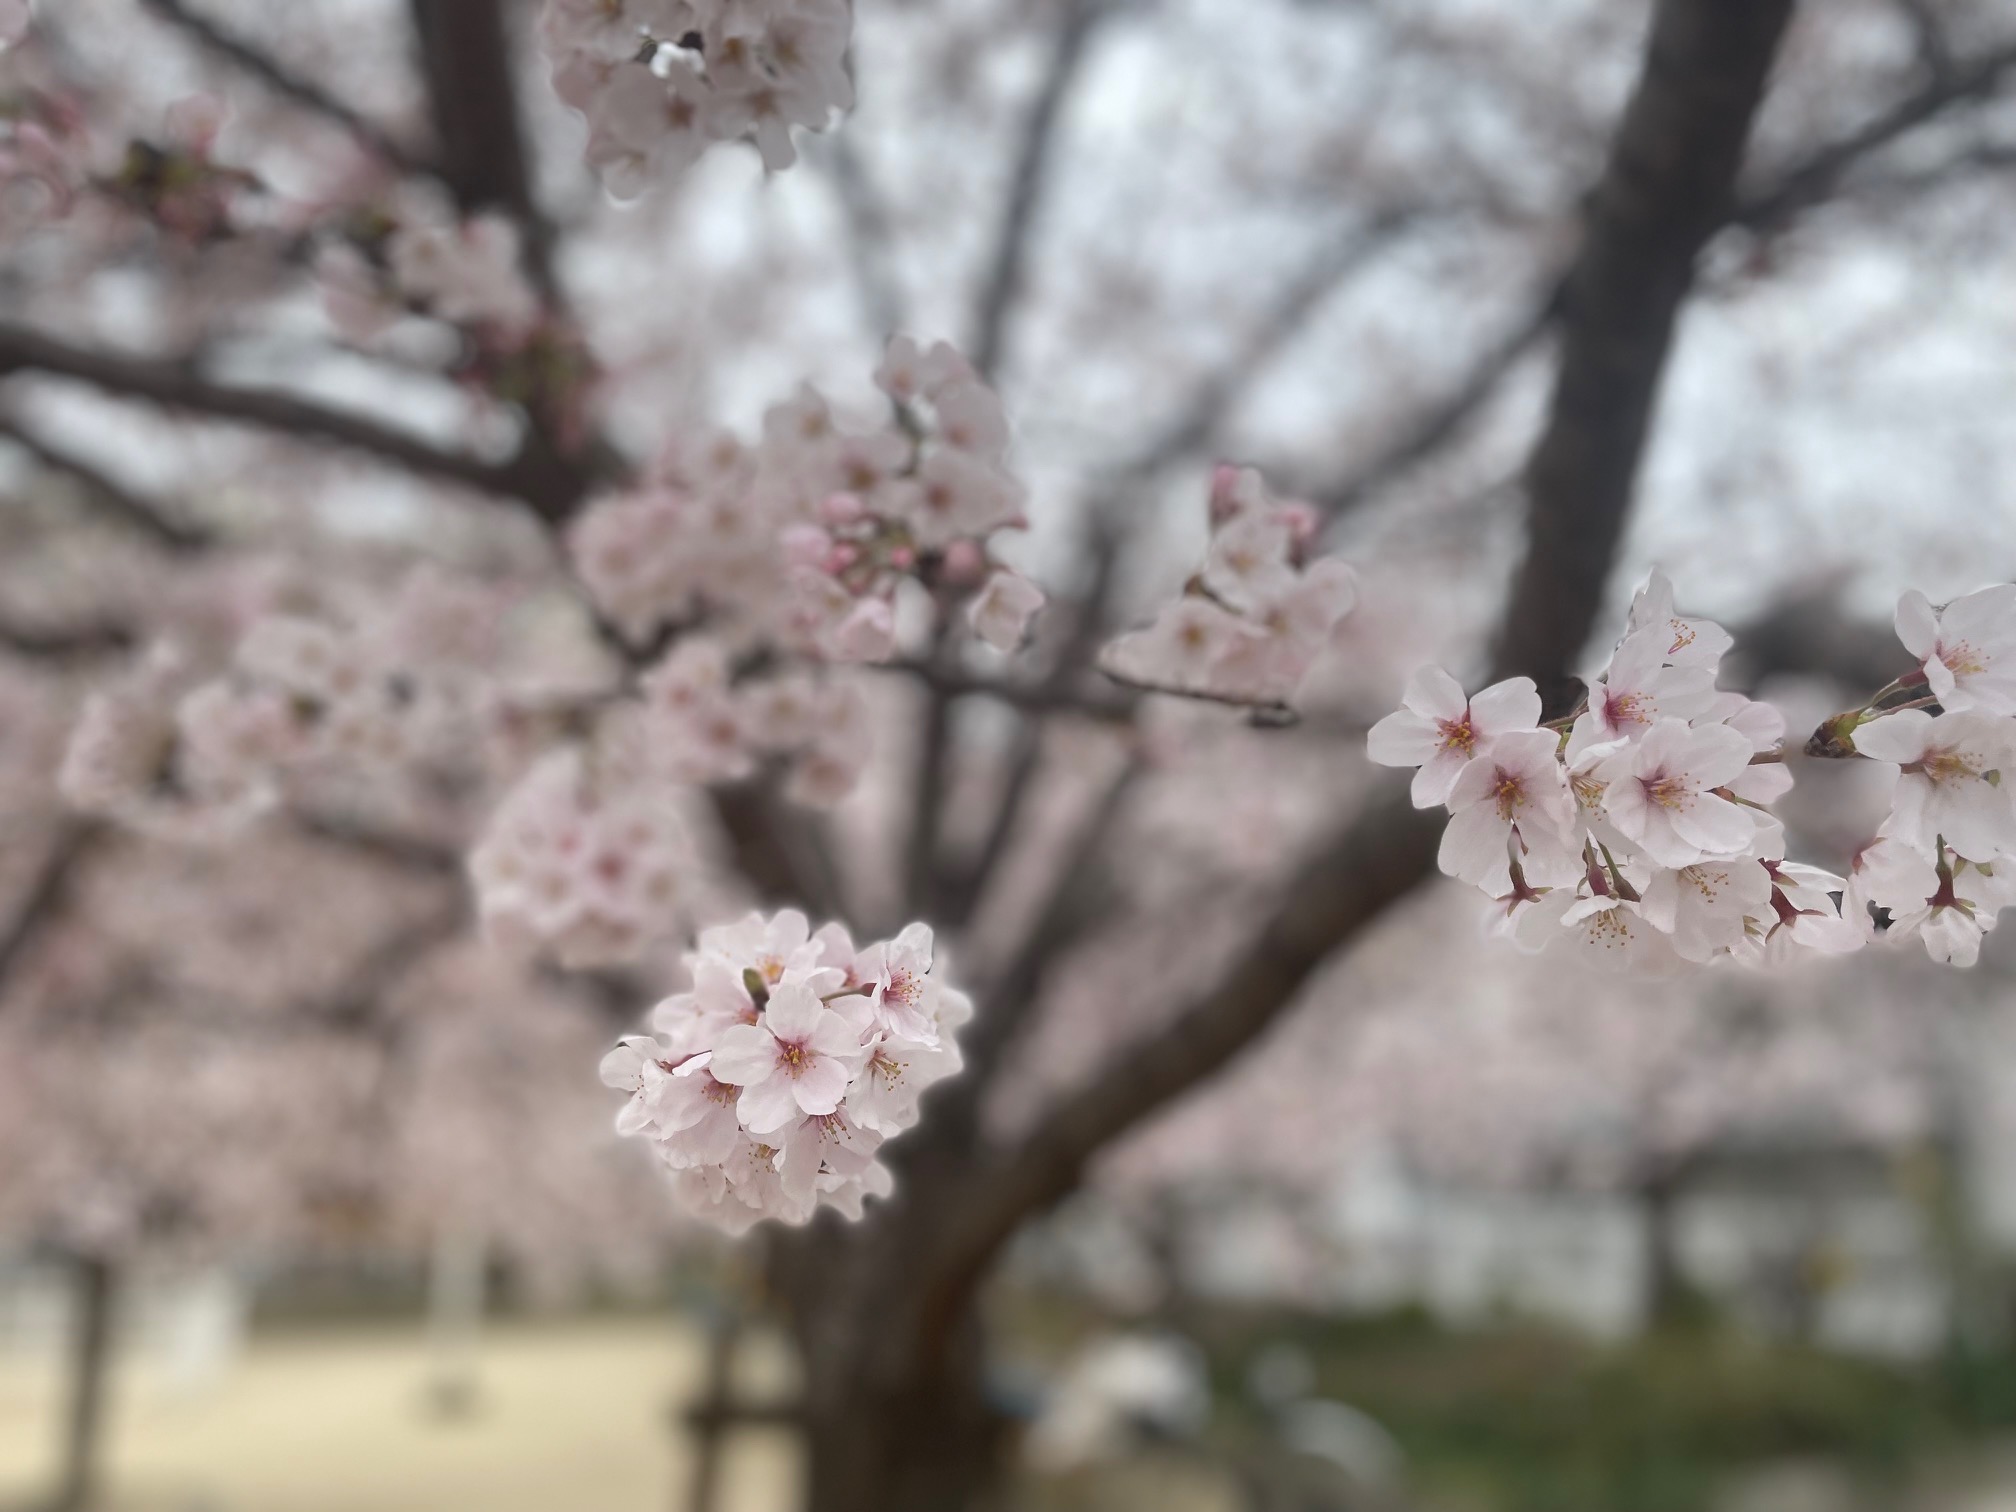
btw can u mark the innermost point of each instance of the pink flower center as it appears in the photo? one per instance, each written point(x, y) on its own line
point(1458, 734)
point(1625, 708)
point(1667, 792)
point(1961, 659)
point(1510, 793)
point(1948, 766)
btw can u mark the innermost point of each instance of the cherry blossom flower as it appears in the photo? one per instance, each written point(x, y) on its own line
point(1949, 906)
point(1660, 792)
point(1803, 915)
point(894, 1075)
point(1689, 642)
point(904, 990)
point(1949, 779)
point(1512, 800)
point(1639, 688)
point(796, 1059)
point(661, 80)
point(773, 1080)
point(1705, 906)
point(1967, 648)
point(1250, 626)
point(1001, 611)
point(1440, 730)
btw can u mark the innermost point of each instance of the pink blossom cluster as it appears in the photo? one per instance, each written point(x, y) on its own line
point(1637, 832)
point(586, 857)
point(1944, 862)
point(703, 725)
point(304, 698)
point(591, 871)
point(411, 260)
point(768, 1088)
point(44, 163)
point(660, 81)
point(467, 273)
point(803, 540)
point(1249, 626)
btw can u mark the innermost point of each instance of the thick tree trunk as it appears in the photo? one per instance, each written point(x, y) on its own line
point(895, 1410)
point(91, 1351)
point(926, 1441)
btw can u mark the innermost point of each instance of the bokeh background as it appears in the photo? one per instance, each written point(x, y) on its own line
point(326, 1192)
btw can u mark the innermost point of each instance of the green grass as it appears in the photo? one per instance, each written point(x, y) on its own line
point(1519, 1418)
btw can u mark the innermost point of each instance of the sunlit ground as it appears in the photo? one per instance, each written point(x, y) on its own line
point(569, 1416)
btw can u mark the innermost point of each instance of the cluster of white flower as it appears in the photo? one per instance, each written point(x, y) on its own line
point(1944, 862)
point(1248, 627)
point(662, 80)
point(586, 858)
point(1639, 832)
point(768, 1088)
point(590, 871)
point(468, 274)
point(803, 540)
point(170, 750)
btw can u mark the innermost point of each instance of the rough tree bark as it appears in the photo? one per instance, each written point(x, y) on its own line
point(885, 1312)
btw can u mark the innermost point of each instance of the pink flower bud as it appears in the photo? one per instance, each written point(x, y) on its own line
point(1225, 500)
point(842, 509)
point(965, 564)
point(902, 558)
point(806, 546)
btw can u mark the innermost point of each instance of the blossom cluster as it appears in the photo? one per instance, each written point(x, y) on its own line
point(802, 540)
point(396, 260)
point(662, 80)
point(768, 1088)
point(467, 274)
point(1637, 831)
point(1248, 627)
point(49, 161)
point(1944, 862)
point(304, 697)
point(587, 857)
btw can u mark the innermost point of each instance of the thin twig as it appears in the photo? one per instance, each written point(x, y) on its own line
point(150, 517)
point(289, 85)
point(1003, 286)
point(549, 489)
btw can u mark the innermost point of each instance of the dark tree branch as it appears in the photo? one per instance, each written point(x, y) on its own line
point(1064, 919)
point(1668, 188)
point(68, 850)
point(466, 60)
point(58, 643)
point(869, 235)
point(150, 518)
point(1928, 30)
point(1053, 694)
point(1440, 424)
point(1195, 426)
point(287, 84)
point(1665, 190)
point(408, 852)
point(1804, 183)
point(548, 486)
point(1818, 174)
point(933, 771)
point(1033, 163)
